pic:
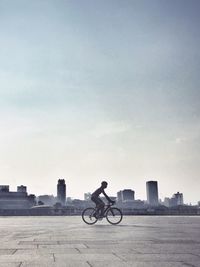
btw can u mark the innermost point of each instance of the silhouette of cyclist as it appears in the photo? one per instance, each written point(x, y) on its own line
point(97, 200)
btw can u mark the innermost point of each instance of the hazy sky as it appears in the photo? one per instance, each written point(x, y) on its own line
point(93, 90)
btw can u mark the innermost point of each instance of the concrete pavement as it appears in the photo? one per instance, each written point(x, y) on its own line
point(138, 241)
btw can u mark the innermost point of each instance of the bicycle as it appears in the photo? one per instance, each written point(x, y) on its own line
point(112, 214)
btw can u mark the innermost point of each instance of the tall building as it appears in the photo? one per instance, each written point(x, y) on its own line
point(61, 191)
point(152, 193)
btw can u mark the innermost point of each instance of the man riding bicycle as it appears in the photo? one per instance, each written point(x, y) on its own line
point(97, 200)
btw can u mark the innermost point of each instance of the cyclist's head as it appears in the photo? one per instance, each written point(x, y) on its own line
point(104, 184)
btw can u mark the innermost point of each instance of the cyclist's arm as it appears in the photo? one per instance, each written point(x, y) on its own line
point(107, 197)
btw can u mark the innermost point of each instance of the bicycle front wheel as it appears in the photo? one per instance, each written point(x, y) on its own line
point(114, 216)
point(88, 216)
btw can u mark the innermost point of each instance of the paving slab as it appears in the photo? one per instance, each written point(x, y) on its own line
point(43, 251)
point(13, 264)
point(139, 241)
point(58, 264)
point(25, 258)
point(7, 251)
point(136, 264)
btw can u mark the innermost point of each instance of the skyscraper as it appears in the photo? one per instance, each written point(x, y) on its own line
point(152, 192)
point(61, 191)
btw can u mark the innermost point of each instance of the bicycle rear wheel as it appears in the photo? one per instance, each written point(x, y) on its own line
point(88, 216)
point(114, 215)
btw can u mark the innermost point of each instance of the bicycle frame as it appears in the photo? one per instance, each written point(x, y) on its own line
point(106, 208)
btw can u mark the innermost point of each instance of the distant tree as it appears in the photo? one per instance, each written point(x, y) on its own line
point(32, 199)
point(40, 203)
point(57, 205)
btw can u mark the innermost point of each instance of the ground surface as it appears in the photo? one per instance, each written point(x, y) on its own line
point(67, 241)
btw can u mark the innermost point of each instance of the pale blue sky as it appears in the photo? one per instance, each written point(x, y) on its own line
point(100, 89)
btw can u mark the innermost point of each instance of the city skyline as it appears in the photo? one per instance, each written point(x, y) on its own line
point(100, 90)
point(152, 193)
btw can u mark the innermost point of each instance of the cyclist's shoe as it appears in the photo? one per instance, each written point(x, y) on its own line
point(95, 215)
point(100, 217)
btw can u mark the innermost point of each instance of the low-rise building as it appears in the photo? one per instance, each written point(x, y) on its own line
point(175, 200)
point(125, 195)
point(15, 200)
point(47, 199)
point(87, 196)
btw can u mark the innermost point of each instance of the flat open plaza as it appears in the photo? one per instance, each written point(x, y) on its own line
point(142, 241)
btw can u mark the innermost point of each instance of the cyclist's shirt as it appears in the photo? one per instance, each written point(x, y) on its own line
point(98, 192)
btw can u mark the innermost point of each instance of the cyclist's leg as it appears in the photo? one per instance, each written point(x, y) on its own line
point(101, 206)
point(95, 200)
